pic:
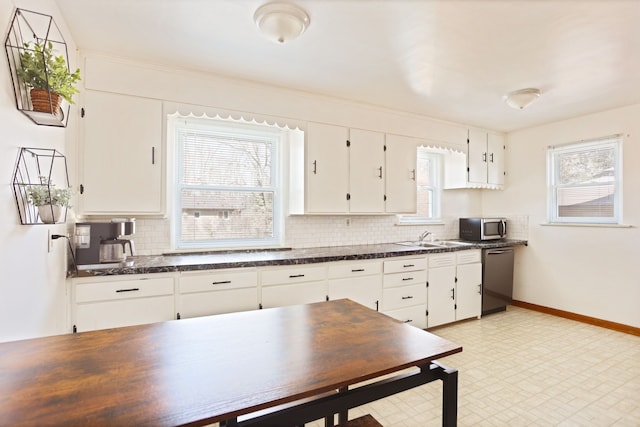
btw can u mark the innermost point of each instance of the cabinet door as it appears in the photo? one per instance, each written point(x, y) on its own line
point(477, 156)
point(121, 167)
point(217, 302)
point(299, 293)
point(441, 296)
point(468, 290)
point(327, 169)
point(366, 171)
point(495, 159)
point(365, 290)
point(400, 181)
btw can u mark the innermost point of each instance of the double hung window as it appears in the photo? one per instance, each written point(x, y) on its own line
point(585, 182)
point(227, 186)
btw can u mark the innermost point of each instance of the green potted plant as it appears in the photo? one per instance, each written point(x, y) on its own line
point(48, 76)
point(49, 200)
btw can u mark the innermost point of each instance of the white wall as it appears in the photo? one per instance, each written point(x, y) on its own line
point(32, 281)
point(591, 271)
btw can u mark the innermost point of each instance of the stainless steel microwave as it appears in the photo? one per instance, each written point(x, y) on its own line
point(477, 229)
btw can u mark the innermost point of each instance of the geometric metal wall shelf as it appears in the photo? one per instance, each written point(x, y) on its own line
point(44, 169)
point(27, 29)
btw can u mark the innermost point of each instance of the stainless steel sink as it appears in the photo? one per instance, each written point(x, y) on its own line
point(437, 244)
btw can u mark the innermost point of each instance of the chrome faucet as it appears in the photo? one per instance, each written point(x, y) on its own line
point(423, 235)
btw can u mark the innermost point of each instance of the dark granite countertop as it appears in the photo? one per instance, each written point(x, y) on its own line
point(273, 257)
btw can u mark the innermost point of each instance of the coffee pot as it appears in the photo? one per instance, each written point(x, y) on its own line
point(114, 250)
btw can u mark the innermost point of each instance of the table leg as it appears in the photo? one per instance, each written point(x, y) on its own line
point(343, 416)
point(449, 379)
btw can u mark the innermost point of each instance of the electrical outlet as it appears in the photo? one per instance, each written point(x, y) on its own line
point(49, 242)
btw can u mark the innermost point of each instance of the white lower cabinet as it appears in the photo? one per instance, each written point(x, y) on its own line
point(441, 306)
point(293, 285)
point(404, 294)
point(360, 281)
point(101, 303)
point(214, 292)
point(455, 287)
point(469, 284)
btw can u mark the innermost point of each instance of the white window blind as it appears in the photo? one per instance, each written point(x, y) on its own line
point(428, 188)
point(227, 191)
point(584, 181)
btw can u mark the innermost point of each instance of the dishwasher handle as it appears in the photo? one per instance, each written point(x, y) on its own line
point(498, 251)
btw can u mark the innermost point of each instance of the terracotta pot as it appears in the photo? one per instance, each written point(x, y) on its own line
point(41, 103)
point(50, 214)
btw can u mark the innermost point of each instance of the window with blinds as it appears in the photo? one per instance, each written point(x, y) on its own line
point(227, 192)
point(585, 181)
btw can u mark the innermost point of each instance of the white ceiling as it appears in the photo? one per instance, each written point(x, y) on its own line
point(450, 59)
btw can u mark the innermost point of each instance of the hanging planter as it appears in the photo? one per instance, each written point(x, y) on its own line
point(45, 101)
point(38, 60)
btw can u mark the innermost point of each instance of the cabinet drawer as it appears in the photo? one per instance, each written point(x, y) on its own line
point(404, 279)
point(229, 279)
point(414, 316)
point(354, 269)
point(442, 260)
point(404, 296)
point(123, 289)
point(293, 275)
point(469, 256)
point(405, 264)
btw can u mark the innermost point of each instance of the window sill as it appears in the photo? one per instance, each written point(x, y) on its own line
point(579, 224)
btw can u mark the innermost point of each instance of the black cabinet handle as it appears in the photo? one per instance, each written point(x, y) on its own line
point(484, 157)
point(408, 297)
point(128, 290)
point(453, 293)
point(491, 157)
point(408, 321)
point(153, 155)
point(380, 174)
point(315, 167)
point(224, 282)
point(357, 270)
point(293, 276)
point(408, 265)
point(407, 278)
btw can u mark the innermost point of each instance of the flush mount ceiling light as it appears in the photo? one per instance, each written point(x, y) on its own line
point(522, 98)
point(281, 22)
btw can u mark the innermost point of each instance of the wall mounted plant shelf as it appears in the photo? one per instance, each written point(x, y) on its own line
point(35, 46)
point(41, 186)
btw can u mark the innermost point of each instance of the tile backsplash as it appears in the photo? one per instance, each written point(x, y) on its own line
point(153, 236)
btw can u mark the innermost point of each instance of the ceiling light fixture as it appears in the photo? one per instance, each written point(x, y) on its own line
point(522, 98)
point(281, 22)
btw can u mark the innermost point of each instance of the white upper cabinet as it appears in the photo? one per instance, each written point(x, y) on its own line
point(401, 155)
point(366, 171)
point(352, 171)
point(495, 159)
point(326, 169)
point(485, 158)
point(483, 165)
point(121, 168)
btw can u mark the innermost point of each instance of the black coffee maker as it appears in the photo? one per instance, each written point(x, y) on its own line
point(103, 242)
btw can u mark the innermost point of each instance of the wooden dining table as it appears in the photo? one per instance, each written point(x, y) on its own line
point(272, 367)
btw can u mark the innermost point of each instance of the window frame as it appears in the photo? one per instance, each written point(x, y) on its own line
point(553, 153)
point(436, 170)
point(177, 124)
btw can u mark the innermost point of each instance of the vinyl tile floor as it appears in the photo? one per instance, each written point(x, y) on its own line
point(524, 368)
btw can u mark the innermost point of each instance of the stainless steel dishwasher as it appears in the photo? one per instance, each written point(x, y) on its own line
point(497, 279)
